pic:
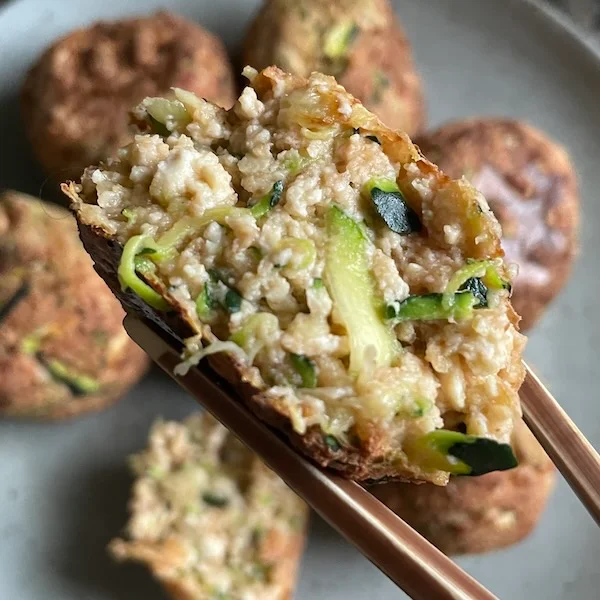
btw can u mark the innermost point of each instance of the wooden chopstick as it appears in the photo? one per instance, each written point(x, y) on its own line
point(568, 448)
point(409, 560)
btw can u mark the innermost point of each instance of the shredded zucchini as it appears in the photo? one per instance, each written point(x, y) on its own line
point(430, 307)
point(339, 38)
point(128, 276)
point(268, 201)
point(350, 284)
point(170, 114)
point(304, 253)
point(486, 270)
point(166, 245)
point(306, 368)
point(459, 453)
point(78, 382)
point(257, 329)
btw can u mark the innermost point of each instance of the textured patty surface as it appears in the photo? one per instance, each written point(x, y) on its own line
point(76, 98)
point(209, 519)
point(360, 42)
point(63, 350)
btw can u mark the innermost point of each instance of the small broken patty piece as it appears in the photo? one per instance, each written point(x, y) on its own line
point(360, 42)
point(326, 275)
point(63, 349)
point(76, 98)
point(531, 186)
point(479, 514)
point(209, 519)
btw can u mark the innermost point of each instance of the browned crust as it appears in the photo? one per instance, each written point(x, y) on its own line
point(65, 294)
point(76, 98)
point(509, 146)
point(288, 563)
point(378, 69)
point(381, 73)
point(478, 514)
point(367, 462)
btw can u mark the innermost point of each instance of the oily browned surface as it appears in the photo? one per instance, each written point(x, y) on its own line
point(41, 254)
point(364, 460)
point(76, 98)
point(544, 226)
point(378, 68)
point(478, 514)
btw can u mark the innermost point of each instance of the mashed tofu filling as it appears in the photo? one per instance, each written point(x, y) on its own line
point(209, 518)
point(364, 289)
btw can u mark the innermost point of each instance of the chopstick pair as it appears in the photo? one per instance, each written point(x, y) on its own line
point(407, 558)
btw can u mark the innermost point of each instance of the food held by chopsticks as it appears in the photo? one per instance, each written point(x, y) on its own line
point(76, 97)
point(209, 519)
point(360, 42)
point(63, 349)
point(479, 514)
point(531, 185)
point(354, 295)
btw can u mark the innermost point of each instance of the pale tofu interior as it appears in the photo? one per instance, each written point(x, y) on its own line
point(208, 517)
point(276, 299)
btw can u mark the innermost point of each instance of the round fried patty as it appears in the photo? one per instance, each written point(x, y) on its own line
point(76, 98)
point(360, 42)
point(63, 350)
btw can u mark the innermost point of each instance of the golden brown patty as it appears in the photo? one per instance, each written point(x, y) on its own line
point(360, 42)
point(76, 97)
point(531, 186)
point(63, 350)
point(209, 519)
point(478, 514)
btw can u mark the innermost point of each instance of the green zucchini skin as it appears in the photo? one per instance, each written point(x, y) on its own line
point(430, 307)
point(394, 210)
point(463, 454)
point(484, 455)
point(267, 202)
point(306, 368)
point(21, 293)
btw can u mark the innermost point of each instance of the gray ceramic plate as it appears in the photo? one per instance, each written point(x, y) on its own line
point(63, 488)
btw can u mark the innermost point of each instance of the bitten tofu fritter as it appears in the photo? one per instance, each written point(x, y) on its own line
point(209, 519)
point(354, 294)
